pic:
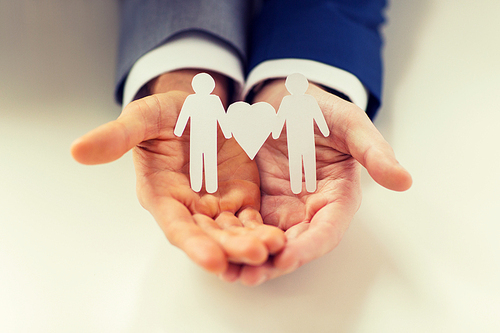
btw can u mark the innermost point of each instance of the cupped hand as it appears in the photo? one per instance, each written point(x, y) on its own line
point(219, 231)
point(314, 223)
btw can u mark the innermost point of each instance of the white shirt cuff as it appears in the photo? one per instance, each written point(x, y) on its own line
point(316, 72)
point(187, 50)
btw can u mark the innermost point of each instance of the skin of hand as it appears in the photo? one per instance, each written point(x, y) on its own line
point(219, 231)
point(314, 223)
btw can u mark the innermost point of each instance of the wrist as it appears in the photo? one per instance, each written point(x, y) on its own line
point(181, 80)
point(270, 90)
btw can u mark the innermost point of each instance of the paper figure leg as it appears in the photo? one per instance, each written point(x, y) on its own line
point(195, 169)
point(211, 179)
point(310, 170)
point(295, 168)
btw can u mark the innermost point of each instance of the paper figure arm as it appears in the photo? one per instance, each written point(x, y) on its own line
point(319, 118)
point(223, 119)
point(280, 119)
point(183, 118)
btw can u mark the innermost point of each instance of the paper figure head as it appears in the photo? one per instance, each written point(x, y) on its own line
point(296, 84)
point(203, 84)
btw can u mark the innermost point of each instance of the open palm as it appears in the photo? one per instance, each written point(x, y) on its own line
point(217, 231)
point(315, 222)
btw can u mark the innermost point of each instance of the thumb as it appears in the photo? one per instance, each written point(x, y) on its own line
point(108, 142)
point(365, 143)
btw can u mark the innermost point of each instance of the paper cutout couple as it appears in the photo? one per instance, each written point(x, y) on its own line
point(251, 125)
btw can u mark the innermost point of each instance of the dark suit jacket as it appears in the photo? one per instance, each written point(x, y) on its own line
point(340, 33)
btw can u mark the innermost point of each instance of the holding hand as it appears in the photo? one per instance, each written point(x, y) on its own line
point(314, 223)
point(218, 231)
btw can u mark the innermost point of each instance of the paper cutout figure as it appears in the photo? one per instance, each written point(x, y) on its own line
point(299, 111)
point(251, 125)
point(205, 110)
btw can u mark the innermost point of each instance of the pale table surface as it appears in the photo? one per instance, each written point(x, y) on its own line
point(79, 254)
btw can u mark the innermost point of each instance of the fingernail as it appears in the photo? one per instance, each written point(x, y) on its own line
point(292, 267)
point(223, 278)
point(261, 280)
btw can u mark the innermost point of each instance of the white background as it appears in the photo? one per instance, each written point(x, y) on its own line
point(79, 254)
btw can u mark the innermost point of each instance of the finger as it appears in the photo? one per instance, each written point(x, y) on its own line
point(368, 147)
point(227, 220)
point(257, 275)
point(231, 274)
point(322, 235)
point(138, 122)
point(250, 223)
point(386, 170)
point(181, 230)
point(306, 241)
point(365, 143)
point(238, 244)
point(273, 237)
point(250, 217)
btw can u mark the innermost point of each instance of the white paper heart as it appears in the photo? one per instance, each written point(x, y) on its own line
point(251, 124)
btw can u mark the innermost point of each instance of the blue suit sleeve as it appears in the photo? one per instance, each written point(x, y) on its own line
point(340, 33)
